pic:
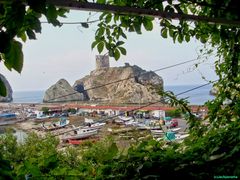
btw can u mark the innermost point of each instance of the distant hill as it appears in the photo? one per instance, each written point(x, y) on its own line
point(8, 98)
point(62, 91)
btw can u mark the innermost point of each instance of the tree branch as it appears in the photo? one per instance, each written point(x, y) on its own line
point(86, 6)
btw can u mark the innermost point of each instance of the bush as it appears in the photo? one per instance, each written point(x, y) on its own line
point(176, 113)
point(45, 110)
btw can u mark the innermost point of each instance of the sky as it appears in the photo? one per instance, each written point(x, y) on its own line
point(65, 52)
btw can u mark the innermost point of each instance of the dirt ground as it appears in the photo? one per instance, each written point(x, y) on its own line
point(122, 135)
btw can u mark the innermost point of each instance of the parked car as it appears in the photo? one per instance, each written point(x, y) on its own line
point(64, 114)
point(174, 123)
point(54, 115)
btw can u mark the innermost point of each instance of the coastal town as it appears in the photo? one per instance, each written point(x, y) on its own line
point(167, 107)
point(73, 123)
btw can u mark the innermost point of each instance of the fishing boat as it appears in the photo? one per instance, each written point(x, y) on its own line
point(124, 118)
point(88, 121)
point(156, 132)
point(175, 129)
point(96, 125)
point(142, 126)
point(56, 125)
point(119, 122)
point(173, 136)
point(131, 123)
point(81, 134)
point(181, 136)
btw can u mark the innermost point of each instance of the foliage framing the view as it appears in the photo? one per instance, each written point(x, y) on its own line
point(214, 149)
point(19, 22)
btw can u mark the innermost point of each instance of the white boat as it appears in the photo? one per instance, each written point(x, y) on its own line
point(157, 132)
point(178, 138)
point(57, 125)
point(118, 121)
point(155, 128)
point(88, 121)
point(124, 118)
point(96, 125)
point(142, 127)
point(174, 129)
point(131, 123)
point(81, 134)
point(42, 117)
point(181, 136)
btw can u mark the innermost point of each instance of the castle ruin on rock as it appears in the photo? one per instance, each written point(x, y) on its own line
point(102, 61)
point(117, 85)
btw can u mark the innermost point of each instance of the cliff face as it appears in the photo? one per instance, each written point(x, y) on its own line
point(63, 90)
point(139, 86)
point(8, 98)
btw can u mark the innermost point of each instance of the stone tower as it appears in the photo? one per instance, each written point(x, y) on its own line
point(102, 61)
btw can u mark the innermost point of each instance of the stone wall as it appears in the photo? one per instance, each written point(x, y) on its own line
point(102, 61)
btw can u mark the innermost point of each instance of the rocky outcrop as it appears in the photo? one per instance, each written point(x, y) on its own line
point(62, 92)
point(139, 85)
point(8, 98)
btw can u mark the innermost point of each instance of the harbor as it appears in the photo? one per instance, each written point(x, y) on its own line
point(72, 125)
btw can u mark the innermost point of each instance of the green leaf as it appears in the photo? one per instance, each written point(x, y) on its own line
point(31, 34)
point(123, 50)
point(100, 46)
point(34, 23)
point(124, 36)
point(23, 36)
point(116, 54)
point(52, 15)
point(175, 35)
point(110, 53)
point(119, 43)
point(14, 57)
point(4, 42)
point(62, 12)
point(102, 15)
point(203, 39)
point(2, 10)
point(137, 27)
point(38, 6)
point(100, 31)
point(51, 12)
point(101, 1)
point(131, 28)
point(148, 25)
point(112, 151)
point(187, 38)
point(116, 18)
point(180, 38)
point(85, 25)
point(171, 32)
point(3, 89)
point(94, 44)
point(164, 32)
point(108, 18)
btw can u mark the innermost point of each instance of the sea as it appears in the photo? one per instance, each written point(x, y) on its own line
point(195, 97)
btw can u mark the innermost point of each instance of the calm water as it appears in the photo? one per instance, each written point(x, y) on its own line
point(19, 134)
point(197, 97)
point(28, 96)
